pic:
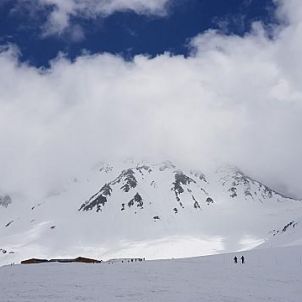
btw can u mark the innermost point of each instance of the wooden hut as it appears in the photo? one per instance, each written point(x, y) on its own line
point(78, 260)
point(61, 260)
point(86, 260)
point(33, 261)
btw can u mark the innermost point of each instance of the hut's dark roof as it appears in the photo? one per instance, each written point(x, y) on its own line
point(34, 260)
point(61, 260)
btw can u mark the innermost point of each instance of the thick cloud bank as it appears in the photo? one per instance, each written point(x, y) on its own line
point(235, 99)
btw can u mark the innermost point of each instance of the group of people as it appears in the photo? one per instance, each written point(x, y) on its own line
point(241, 258)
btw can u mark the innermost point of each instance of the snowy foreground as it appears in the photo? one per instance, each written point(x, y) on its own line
point(268, 275)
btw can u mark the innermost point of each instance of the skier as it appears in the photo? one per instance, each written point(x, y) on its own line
point(235, 259)
point(242, 259)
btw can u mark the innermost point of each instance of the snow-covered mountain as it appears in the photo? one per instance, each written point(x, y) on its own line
point(144, 209)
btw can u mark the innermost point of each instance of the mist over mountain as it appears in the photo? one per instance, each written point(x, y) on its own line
point(231, 99)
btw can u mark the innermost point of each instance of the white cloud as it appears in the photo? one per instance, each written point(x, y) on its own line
point(62, 10)
point(235, 99)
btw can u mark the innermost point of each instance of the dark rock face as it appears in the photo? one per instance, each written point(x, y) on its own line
point(9, 223)
point(252, 189)
point(143, 168)
point(196, 205)
point(5, 201)
point(268, 192)
point(97, 200)
point(137, 199)
point(209, 200)
point(180, 180)
point(193, 188)
point(129, 179)
point(199, 175)
point(233, 192)
point(292, 224)
point(239, 179)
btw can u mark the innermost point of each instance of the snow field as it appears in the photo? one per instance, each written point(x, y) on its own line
point(273, 275)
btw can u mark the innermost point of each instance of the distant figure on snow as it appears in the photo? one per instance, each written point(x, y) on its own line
point(242, 259)
point(235, 259)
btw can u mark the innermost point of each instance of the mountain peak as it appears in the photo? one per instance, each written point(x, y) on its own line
point(120, 208)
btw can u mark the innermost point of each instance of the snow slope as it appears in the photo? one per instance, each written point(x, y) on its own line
point(143, 209)
point(289, 234)
point(273, 275)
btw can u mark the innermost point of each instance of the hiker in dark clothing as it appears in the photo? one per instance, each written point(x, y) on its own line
point(242, 259)
point(235, 259)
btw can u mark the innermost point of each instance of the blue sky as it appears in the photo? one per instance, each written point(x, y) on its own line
point(128, 32)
